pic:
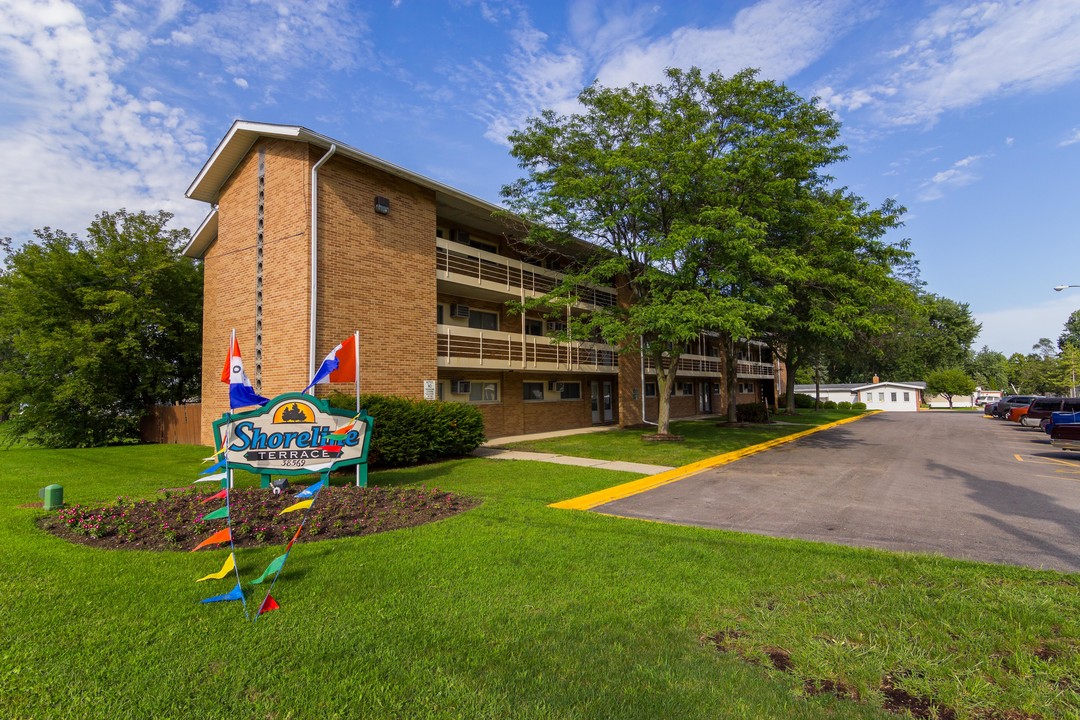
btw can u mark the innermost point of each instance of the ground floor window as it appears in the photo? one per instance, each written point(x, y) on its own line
point(746, 388)
point(687, 388)
point(650, 389)
point(907, 397)
point(483, 391)
point(533, 391)
point(571, 391)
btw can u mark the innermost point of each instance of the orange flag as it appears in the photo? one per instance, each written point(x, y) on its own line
point(268, 604)
point(289, 546)
point(219, 537)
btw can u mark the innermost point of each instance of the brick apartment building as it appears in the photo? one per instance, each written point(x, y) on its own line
point(424, 272)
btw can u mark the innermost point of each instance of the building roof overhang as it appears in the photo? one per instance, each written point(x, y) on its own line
point(452, 204)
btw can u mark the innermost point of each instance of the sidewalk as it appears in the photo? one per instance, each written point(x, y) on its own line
point(492, 451)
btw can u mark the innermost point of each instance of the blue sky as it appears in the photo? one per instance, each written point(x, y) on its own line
point(967, 113)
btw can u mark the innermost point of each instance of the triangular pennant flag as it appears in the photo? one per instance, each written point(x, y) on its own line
point(213, 478)
point(219, 494)
point(294, 537)
point(237, 593)
point(230, 563)
point(216, 466)
point(298, 506)
point(330, 448)
point(310, 491)
point(217, 514)
point(275, 566)
point(219, 537)
point(214, 456)
point(268, 604)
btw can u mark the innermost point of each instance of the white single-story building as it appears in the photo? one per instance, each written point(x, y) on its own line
point(878, 395)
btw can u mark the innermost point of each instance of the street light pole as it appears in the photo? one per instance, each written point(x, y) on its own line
point(1059, 288)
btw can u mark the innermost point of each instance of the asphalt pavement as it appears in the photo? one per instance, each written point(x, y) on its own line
point(951, 483)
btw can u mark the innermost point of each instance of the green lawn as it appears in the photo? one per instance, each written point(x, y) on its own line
point(704, 439)
point(512, 610)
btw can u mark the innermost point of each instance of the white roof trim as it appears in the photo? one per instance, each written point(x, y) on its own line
point(203, 236)
point(887, 384)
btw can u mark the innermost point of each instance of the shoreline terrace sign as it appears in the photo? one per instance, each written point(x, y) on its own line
point(293, 434)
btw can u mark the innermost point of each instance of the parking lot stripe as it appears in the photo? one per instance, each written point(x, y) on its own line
point(1020, 459)
point(635, 487)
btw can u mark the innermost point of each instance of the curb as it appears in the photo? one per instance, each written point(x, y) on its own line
point(635, 487)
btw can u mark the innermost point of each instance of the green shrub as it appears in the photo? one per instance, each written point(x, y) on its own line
point(828, 405)
point(410, 432)
point(802, 400)
point(752, 412)
point(858, 406)
point(843, 405)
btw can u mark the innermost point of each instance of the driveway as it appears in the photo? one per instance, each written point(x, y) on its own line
point(957, 484)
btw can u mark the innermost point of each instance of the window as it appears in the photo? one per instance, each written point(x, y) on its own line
point(686, 388)
point(571, 391)
point(907, 397)
point(439, 314)
point(716, 389)
point(483, 391)
point(746, 388)
point(893, 397)
point(650, 389)
point(881, 397)
point(534, 327)
point(483, 320)
point(556, 326)
point(533, 391)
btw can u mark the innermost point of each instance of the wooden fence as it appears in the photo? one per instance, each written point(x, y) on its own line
point(172, 424)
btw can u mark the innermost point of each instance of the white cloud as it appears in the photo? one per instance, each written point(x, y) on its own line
point(1072, 139)
point(1016, 329)
point(80, 143)
point(240, 82)
point(959, 174)
point(611, 44)
point(966, 52)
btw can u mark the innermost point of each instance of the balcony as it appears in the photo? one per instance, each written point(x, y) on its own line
point(710, 366)
point(472, 349)
point(473, 268)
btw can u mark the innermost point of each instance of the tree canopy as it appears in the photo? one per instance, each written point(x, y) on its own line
point(950, 383)
point(94, 330)
point(685, 187)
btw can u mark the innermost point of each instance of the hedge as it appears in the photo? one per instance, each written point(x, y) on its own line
point(411, 432)
point(843, 405)
point(752, 412)
point(858, 406)
point(802, 400)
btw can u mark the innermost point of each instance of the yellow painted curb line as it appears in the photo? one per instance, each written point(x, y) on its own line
point(634, 487)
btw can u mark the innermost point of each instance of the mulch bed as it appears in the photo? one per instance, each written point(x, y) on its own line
point(174, 521)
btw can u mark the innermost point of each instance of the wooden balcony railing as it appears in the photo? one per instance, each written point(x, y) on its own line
point(469, 265)
point(707, 366)
point(489, 349)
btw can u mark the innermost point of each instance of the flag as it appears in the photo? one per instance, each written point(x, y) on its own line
point(241, 394)
point(217, 514)
point(275, 566)
point(338, 366)
point(216, 496)
point(219, 537)
point(268, 604)
point(295, 537)
point(227, 568)
point(213, 478)
point(304, 505)
point(237, 593)
point(219, 465)
point(310, 491)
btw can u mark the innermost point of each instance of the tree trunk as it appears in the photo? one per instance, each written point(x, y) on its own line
point(665, 383)
point(732, 380)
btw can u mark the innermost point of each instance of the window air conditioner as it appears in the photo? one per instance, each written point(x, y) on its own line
point(459, 311)
point(460, 387)
point(555, 386)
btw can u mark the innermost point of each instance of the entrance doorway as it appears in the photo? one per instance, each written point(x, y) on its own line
point(704, 397)
point(602, 410)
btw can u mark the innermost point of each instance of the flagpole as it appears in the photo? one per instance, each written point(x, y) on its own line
point(356, 346)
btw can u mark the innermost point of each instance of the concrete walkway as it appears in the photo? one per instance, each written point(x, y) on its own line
point(492, 450)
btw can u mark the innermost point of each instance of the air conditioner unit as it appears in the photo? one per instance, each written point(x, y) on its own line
point(459, 311)
point(555, 386)
point(460, 387)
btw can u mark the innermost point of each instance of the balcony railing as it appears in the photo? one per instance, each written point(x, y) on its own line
point(468, 265)
point(489, 349)
point(707, 366)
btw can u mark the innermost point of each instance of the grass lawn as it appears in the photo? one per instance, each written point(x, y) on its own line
point(704, 439)
point(511, 610)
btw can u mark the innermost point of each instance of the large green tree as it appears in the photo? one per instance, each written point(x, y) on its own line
point(950, 383)
point(677, 185)
point(990, 369)
point(94, 330)
point(1071, 334)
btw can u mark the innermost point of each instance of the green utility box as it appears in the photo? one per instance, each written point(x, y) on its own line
point(52, 496)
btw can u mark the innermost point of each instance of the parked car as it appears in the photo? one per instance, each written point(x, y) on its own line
point(1040, 409)
point(1008, 402)
point(1060, 418)
point(1065, 437)
point(990, 407)
point(1017, 414)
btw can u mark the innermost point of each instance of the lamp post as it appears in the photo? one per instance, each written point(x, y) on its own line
point(1059, 288)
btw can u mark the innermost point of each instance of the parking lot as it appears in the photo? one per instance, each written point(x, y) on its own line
point(952, 483)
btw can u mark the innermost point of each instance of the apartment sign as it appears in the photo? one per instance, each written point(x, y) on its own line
point(294, 434)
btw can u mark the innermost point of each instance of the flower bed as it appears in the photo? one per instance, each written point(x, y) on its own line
point(174, 521)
